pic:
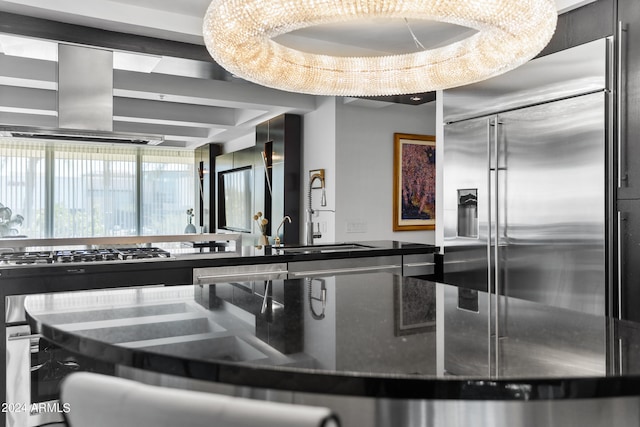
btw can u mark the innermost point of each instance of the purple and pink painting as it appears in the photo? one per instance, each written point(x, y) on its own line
point(415, 182)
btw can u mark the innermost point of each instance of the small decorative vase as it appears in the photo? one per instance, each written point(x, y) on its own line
point(190, 228)
point(264, 240)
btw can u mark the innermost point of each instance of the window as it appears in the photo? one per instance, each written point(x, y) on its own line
point(89, 190)
point(22, 186)
point(168, 190)
point(94, 191)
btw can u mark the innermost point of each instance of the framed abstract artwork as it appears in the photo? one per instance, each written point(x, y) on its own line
point(414, 187)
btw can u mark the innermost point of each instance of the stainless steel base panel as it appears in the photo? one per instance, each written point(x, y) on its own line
point(376, 412)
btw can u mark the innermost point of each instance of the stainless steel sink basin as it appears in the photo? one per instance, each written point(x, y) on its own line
point(338, 247)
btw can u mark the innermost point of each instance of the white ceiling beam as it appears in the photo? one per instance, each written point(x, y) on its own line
point(209, 92)
point(34, 73)
point(41, 101)
point(218, 105)
point(182, 132)
point(245, 116)
point(187, 114)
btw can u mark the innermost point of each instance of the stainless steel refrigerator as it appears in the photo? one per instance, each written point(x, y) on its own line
point(525, 198)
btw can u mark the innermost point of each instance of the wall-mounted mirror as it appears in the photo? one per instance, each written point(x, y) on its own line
point(235, 199)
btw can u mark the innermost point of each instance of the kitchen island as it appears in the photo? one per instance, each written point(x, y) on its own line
point(178, 267)
point(378, 348)
point(17, 280)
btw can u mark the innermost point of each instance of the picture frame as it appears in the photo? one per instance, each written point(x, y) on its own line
point(414, 306)
point(414, 186)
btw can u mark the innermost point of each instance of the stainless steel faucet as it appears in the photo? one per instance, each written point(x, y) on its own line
point(277, 239)
point(323, 202)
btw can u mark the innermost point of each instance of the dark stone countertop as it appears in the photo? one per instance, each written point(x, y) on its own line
point(190, 257)
point(371, 334)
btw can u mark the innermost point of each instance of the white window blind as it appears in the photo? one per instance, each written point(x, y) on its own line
point(91, 190)
point(22, 185)
point(168, 190)
point(94, 191)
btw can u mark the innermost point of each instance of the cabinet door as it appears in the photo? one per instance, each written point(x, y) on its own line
point(627, 293)
point(628, 288)
point(629, 145)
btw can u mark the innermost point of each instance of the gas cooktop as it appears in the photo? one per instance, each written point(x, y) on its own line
point(80, 255)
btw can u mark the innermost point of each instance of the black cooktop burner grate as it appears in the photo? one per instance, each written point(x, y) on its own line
point(38, 257)
point(85, 255)
point(80, 255)
point(141, 253)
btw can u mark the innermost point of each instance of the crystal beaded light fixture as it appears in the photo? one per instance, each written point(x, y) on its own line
point(239, 35)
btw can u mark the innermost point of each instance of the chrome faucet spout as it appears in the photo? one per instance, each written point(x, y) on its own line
point(277, 239)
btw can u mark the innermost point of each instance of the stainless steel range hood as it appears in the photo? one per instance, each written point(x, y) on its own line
point(81, 135)
point(85, 101)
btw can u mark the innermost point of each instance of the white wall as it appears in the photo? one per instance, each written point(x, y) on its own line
point(364, 159)
point(319, 152)
point(354, 144)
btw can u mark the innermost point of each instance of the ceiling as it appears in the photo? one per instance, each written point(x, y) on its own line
point(189, 101)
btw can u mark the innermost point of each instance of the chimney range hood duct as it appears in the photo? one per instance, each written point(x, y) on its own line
point(85, 101)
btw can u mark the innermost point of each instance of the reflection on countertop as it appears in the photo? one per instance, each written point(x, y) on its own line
point(373, 334)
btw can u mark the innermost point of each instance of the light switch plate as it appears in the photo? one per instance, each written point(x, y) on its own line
point(356, 226)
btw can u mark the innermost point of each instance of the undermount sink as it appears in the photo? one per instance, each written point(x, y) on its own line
point(337, 247)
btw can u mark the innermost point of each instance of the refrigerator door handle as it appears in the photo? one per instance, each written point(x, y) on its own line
point(496, 246)
point(493, 246)
point(622, 146)
point(490, 124)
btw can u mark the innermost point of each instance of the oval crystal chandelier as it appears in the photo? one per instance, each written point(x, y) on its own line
point(239, 36)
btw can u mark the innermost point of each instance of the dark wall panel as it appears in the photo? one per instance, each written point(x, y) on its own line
point(585, 24)
point(275, 160)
